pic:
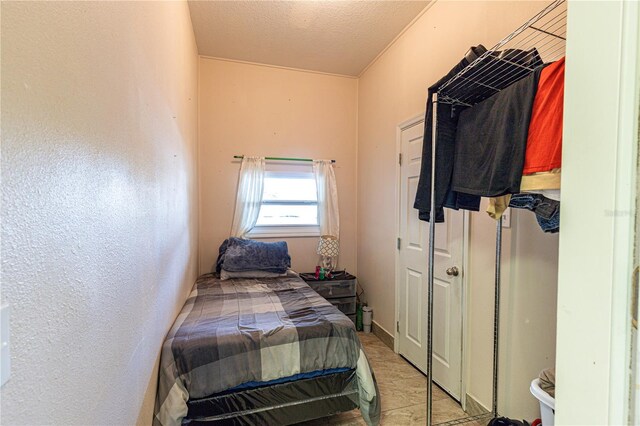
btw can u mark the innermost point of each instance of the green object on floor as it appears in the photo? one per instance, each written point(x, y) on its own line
point(359, 317)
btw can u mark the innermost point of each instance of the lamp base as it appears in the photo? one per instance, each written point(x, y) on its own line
point(327, 263)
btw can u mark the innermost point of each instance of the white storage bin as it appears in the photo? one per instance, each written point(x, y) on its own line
point(547, 403)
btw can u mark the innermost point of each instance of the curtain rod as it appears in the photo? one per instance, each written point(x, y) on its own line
point(283, 158)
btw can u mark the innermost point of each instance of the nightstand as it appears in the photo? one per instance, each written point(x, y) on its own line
point(340, 291)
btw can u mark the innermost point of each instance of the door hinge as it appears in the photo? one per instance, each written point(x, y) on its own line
point(399, 243)
point(398, 326)
point(400, 159)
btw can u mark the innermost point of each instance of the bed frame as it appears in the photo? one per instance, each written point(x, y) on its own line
point(279, 404)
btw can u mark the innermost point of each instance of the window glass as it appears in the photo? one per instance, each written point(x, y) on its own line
point(289, 187)
point(285, 214)
point(289, 199)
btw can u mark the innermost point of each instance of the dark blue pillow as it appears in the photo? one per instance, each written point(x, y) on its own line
point(221, 252)
point(237, 255)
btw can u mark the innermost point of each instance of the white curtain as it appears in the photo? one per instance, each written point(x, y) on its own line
point(249, 197)
point(328, 215)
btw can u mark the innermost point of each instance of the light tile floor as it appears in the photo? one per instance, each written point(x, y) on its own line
point(402, 390)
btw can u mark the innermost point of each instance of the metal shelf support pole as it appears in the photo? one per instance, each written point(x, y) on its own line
point(496, 318)
point(432, 232)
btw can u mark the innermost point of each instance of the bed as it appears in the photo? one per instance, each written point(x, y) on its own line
point(261, 351)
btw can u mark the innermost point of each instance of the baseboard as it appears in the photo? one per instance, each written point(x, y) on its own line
point(382, 334)
point(474, 408)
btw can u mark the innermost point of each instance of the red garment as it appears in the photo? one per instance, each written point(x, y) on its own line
point(544, 141)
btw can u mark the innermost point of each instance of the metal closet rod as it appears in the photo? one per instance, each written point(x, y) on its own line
point(308, 160)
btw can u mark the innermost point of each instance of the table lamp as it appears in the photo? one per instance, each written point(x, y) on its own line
point(328, 248)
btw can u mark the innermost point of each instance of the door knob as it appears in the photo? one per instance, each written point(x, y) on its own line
point(453, 271)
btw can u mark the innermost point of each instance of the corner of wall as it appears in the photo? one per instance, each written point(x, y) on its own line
point(357, 177)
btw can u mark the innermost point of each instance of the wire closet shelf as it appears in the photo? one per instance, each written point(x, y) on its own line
point(505, 63)
point(542, 37)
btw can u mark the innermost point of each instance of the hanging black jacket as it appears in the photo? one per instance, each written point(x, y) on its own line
point(447, 122)
point(498, 70)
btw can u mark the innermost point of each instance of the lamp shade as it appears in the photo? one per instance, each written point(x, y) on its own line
point(328, 246)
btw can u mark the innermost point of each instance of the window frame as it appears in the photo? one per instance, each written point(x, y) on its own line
point(288, 230)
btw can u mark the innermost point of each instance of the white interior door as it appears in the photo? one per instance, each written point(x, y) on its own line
point(412, 276)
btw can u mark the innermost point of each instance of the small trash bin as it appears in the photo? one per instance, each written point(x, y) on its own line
point(547, 403)
point(367, 317)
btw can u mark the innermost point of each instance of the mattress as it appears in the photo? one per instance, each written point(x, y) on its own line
point(239, 331)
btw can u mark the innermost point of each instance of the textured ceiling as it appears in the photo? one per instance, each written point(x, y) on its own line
point(340, 37)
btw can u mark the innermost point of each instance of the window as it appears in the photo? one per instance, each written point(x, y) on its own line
point(289, 206)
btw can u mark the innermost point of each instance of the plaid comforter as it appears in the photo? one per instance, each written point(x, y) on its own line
point(242, 330)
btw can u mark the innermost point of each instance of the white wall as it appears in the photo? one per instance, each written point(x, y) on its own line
point(596, 245)
point(527, 315)
point(260, 110)
point(99, 193)
point(392, 90)
point(635, 401)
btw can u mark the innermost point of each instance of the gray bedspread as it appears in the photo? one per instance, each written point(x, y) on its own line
point(242, 330)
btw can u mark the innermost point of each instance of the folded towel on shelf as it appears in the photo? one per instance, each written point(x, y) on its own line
point(548, 381)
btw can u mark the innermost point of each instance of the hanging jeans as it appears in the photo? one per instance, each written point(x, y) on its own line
point(547, 211)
